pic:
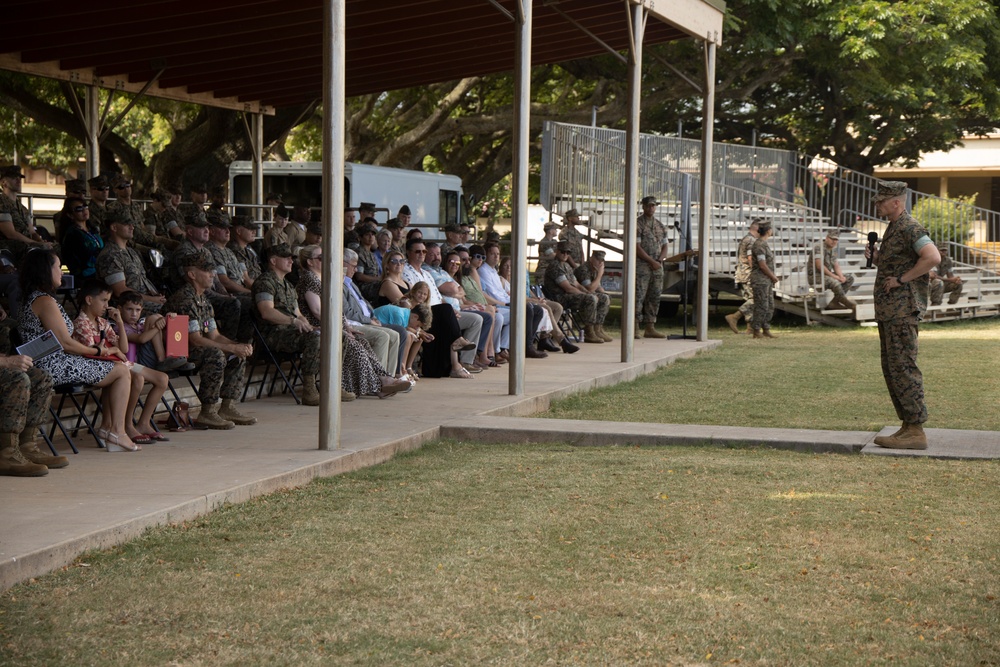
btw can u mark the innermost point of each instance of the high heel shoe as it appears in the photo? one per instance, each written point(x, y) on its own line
point(113, 444)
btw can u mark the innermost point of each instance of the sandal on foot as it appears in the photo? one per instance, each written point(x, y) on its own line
point(461, 374)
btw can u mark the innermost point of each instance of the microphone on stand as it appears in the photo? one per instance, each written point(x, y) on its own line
point(872, 240)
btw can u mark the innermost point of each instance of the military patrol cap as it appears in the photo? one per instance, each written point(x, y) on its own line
point(200, 260)
point(315, 228)
point(119, 182)
point(650, 200)
point(175, 189)
point(280, 250)
point(833, 234)
point(562, 246)
point(366, 206)
point(273, 196)
point(11, 171)
point(76, 186)
point(118, 217)
point(217, 219)
point(598, 254)
point(550, 225)
point(245, 222)
point(160, 195)
point(196, 220)
point(199, 188)
point(366, 228)
point(888, 190)
point(394, 224)
point(404, 210)
point(219, 191)
point(99, 181)
point(572, 213)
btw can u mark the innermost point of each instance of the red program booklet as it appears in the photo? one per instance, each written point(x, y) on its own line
point(177, 336)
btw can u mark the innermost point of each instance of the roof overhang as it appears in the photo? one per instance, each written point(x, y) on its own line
point(256, 55)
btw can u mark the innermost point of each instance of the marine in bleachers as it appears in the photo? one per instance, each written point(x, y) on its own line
point(823, 265)
point(561, 284)
point(100, 190)
point(944, 281)
point(125, 206)
point(17, 230)
point(120, 266)
point(195, 207)
point(241, 238)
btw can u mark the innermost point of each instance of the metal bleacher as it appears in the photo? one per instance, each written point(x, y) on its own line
point(584, 168)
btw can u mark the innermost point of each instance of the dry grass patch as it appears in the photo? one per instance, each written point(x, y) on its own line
point(470, 554)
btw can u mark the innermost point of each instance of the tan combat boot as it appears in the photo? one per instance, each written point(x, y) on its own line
point(590, 335)
point(757, 334)
point(732, 319)
point(604, 334)
point(881, 440)
point(768, 334)
point(29, 448)
point(229, 411)
point(651, 332)
point(346, 396)
point(310, 395)
point(209, 416)
point(911, 437)
point(638, 330)
point(13, 463)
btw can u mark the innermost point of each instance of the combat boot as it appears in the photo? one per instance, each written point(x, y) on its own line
point(590, 336)
point(638, 330)
point(880, 440)
point(651, 332)
point(229, 411)
point(346, 396)
point(911, 437)
point(732, 319)
point(768, 334)
point(29, 449)
point(604, 334)
point(310, 395)
point(209, 416)
point(13, 463)
point(757, 334)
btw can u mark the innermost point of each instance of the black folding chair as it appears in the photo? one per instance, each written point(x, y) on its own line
point(264, 356)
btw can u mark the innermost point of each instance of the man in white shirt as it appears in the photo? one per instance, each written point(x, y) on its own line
point(471, 324)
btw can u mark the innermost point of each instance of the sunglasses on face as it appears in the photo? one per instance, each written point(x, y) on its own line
point(123, 186)
point(397, 261)
point(479, 257)
point(419, 252)
point(80, 209)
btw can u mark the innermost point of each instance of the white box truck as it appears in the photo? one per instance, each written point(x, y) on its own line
point(435, 200)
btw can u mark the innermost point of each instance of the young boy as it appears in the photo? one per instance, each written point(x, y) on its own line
point(145, 336)
point(92, 327)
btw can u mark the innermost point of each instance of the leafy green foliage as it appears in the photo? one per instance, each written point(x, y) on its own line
point(947, 220)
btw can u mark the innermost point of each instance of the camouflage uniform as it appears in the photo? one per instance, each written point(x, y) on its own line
point(367, 265)
point(234, 320)
point(938, 287)
point(285, 337)
point(161, 223)
point(763, 289)
point(838, 288)
point(143, 239)
point(585, 274)
point(570, 235)
point(24, 402)
point(590, 308)
point(743, 275)
point(22, 225)
point(898, 313)
point(115, 264)
point(247, 259)
point(98, 215)
point(651, 235)
point(220, 377)
point(546, 253)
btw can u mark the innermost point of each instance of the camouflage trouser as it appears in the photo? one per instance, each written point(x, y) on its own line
point(590, 308)
point(648, 285)
point(286, 338)
point(220, 376)
point(939, 287)
point(838, 288)
point(234, 314)
point(763, 305)
point(25, 400)
point(746, 289)
point(898, 343)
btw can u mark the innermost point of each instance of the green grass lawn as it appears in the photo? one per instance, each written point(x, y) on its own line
point(464, 554)
point(809, 377)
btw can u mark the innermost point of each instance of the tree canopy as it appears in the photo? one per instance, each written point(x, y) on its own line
point(861, 82)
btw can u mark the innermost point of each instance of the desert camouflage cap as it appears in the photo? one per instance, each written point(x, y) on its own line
point(833, 234)
point(244, 221)
point(280, 250)
point(216, 218)
point(649, 201)
point(888, 190)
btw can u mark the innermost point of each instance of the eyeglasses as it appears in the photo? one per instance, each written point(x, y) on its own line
point(419, 252)
point(478, 256)
point(80, 209)
point(397, 261)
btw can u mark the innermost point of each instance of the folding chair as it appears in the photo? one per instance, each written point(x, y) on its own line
point(73, 392)
point(568, 323)
point(263, 355)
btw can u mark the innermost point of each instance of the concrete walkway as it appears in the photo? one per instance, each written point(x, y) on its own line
point(105, 499)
